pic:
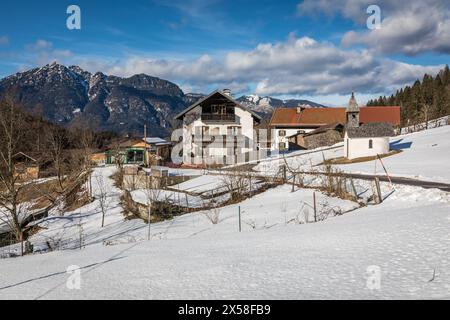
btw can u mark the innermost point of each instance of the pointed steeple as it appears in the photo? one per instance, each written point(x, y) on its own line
point(352, 104)
point(352, 112)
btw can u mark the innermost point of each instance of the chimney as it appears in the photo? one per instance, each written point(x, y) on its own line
point(299, 109)
point(227, 92)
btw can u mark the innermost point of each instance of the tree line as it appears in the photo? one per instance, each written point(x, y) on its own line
point(424, 100)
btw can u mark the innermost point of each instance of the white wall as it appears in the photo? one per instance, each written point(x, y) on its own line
point(289, 132)
point(192, 120)
point(359, 147)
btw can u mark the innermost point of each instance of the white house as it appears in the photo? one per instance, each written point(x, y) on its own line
point(368, 139)
point(218, 130)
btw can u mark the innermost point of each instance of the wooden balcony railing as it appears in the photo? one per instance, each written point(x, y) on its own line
point(228, 117)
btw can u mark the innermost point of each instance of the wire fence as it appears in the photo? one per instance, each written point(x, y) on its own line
point(435, 123)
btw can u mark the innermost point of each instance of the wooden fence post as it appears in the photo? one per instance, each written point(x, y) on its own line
point(385, 171)
point(315, 207)
point(239, 210)
point(378, 190)
point(187, 201)
point(355, 193)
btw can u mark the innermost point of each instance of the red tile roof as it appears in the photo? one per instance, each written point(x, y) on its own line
point(389, 114)
point(314, 117)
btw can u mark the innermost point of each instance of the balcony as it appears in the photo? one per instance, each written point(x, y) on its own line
point(221, 141)
point(227, 117)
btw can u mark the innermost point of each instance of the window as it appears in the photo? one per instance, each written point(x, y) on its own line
point(218, 109)
point(282, 146)
point(370, 144)
point(135, 156)
point(231, 130)
point(282, 133)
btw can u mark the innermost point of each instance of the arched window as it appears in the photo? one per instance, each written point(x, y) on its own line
point(370, 143)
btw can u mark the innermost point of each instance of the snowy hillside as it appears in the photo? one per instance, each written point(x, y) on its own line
point(425, 155)
point(406, 237)
point(280, 253)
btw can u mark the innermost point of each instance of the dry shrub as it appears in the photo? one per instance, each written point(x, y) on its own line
point(213, 215)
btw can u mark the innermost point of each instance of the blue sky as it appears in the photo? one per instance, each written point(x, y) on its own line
point(320, 50)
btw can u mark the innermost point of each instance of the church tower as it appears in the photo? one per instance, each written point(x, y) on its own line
point(352, 113)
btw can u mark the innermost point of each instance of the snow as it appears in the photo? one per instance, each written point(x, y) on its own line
point(157, 141)
point(280, 252)
point(194, 259)
point(176, 198)
point(202, 184)
point(63, 231)
point(424, 156)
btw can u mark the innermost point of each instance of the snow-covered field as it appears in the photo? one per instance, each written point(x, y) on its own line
point(425, 156)
point(199, 185)
point(397, 249)
point(406, 237)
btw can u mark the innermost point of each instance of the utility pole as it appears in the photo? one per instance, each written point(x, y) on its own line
point(145, 145)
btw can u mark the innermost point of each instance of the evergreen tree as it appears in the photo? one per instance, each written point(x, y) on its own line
point(429, 98)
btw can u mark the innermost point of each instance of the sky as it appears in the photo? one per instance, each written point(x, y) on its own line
point(320, 50)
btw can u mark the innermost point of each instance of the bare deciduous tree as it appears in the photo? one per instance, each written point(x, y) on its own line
point(152, 192)
point(12, 128)
point(56, 139)
point(295, 169)
point(102, 196)
point(237, 182)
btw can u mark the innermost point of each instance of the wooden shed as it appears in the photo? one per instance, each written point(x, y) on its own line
point(25, 167)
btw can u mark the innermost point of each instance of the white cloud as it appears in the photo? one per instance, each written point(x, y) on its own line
point(42, 52)
point(40, 44)
point(295, 67)
point(409, 27)
point(298, 66)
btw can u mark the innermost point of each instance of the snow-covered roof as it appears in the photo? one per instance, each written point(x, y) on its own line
point(156, 140)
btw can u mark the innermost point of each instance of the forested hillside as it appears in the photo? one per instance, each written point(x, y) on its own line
point(426, 99)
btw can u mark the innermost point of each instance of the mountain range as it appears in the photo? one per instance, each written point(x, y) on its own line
point(72, 96)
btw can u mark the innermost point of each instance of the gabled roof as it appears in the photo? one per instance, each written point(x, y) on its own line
point(182, 113)
point(321, 129)
point(125, 143)
point(325, 128)
point(21, 154)
point(316, 117)
point(371, 130)
point(389, 114)
point(156, 141)
point(307, 117)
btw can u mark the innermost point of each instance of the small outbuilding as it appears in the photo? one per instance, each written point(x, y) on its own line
point(326, 135)
point(149, 151)
point(25, 167)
